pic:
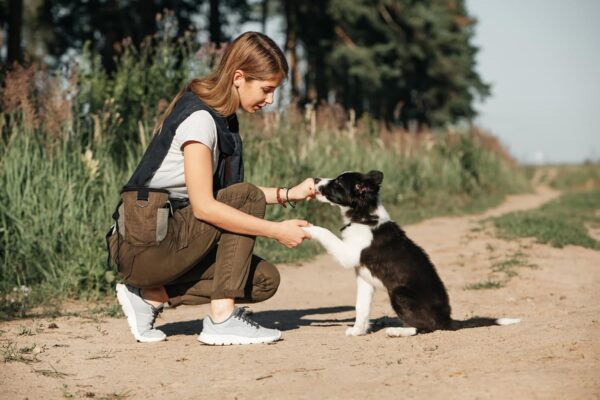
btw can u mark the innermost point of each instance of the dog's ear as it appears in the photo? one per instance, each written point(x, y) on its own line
point(376, 177)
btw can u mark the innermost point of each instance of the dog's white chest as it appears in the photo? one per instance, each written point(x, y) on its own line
point(358, 236)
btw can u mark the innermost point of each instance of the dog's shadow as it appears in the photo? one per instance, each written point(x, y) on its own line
point(284, 320)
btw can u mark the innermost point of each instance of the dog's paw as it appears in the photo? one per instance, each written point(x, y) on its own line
point(316, 232)
point(356, 331)
point(400, 332)
point(310, 229)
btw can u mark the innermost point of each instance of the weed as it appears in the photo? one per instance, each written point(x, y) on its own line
point(12, 353)
point(507, 266)
point(116, 396)
point(51, 373)
point(104, 354)
point(24, 331)
point(66, 393)
point(486, 284)
point(102, 331)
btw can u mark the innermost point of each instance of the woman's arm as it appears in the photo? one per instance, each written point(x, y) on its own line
point(199, 181)
point(302, 191)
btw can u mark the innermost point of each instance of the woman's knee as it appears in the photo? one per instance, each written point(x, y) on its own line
point(269, 280)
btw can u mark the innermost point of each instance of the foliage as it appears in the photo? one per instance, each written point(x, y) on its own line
point(400, 60)
point(106, 24)
point(406, 62)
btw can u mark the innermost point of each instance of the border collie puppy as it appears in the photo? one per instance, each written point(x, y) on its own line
point(384, 257)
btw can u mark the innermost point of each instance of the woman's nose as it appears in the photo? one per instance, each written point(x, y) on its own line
point(269, 99)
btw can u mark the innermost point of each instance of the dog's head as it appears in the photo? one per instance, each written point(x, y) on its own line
point(356, 192)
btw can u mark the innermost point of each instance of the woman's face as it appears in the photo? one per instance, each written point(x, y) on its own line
point(254, 94)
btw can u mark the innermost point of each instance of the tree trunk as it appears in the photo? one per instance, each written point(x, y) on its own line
point(291, 38)
point(215, 23)
point(15, 27)
point(264, 15)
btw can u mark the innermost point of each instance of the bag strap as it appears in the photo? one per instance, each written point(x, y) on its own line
point(114, 229)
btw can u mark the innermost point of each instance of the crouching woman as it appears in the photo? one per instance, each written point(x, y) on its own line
point(205, 252)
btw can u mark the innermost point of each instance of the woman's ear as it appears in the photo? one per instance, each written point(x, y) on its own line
point(238, 77)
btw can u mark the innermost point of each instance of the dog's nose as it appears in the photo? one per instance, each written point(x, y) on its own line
point(317, 180)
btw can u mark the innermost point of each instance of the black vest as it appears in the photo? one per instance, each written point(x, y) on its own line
point(230, 166)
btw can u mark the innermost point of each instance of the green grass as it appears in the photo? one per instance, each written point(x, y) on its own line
point(486, 284)
point(11, 352)
point(509, 265)
point(502, 271)
point(568, 177)
point(559, 223)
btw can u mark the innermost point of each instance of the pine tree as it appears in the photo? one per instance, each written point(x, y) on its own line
point(401, 60)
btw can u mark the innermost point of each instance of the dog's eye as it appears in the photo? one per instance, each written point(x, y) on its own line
point(360, 188)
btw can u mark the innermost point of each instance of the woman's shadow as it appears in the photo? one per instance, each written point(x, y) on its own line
point(284, 320)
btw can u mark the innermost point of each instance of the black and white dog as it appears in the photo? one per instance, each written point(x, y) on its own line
point(384, 257)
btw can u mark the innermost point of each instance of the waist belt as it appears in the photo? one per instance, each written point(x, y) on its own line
point(177, 204)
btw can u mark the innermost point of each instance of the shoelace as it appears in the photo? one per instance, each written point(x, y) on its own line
point(155, 312)
point(241, 315)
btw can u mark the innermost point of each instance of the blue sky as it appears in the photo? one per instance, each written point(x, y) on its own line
point(542, 58)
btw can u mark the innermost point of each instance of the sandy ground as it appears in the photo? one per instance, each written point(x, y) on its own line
point(553, 354)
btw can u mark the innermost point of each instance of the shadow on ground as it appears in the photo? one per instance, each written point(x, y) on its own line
point(284, 320)
point(287, 320)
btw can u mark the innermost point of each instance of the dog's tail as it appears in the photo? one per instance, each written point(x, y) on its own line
point(507, 321)
point(477, 322)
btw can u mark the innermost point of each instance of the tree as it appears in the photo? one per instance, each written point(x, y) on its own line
point(401, 60)
point(104, 23)
point(15, 26)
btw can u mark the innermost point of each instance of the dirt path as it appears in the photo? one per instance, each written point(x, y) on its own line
point(553, 354)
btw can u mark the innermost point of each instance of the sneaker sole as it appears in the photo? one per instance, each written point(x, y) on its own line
point(227, 340)
point(132, 322)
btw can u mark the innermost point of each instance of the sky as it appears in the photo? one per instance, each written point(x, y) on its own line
point(542, 58)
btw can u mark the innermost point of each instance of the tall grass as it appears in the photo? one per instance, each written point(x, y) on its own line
point(70, 141)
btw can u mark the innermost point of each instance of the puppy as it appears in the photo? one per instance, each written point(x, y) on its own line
point(384, 257)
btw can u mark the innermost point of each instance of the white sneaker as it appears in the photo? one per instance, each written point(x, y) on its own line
point(237, 329)
point(140, 314)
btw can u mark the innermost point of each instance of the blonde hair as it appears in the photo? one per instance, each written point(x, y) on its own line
point(254, 53)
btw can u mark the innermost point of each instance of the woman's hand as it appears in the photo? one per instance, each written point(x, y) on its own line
point(303, 191)
point(290, 232)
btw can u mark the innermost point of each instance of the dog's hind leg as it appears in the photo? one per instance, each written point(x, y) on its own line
point(364, 297)
point(400, 332)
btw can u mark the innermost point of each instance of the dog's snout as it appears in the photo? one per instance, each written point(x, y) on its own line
point(317, 180)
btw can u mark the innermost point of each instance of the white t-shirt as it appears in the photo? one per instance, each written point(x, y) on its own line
point(199, 127)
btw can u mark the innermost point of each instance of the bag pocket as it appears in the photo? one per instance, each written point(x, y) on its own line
point(144, 216)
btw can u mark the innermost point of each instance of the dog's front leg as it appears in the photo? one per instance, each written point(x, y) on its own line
point(364, 298)
point(348, 256)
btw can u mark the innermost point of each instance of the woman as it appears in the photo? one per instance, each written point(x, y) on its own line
point(206, 255)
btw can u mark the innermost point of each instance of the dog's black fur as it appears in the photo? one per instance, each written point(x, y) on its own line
point(416, 291)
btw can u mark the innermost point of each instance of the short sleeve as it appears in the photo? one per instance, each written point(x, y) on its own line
point(198, 127)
